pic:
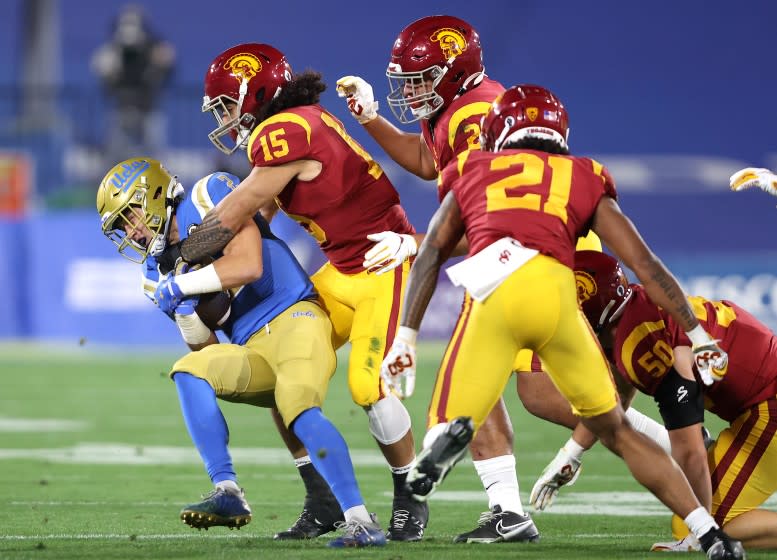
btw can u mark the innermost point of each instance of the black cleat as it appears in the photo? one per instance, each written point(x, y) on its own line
point(501, 526)
point(435, 462)
point(719, 546)
point(408, 520)
point(315, 520)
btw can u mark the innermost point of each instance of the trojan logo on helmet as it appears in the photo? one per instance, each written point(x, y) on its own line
point(452, 42)
point(586, 286)
point(243, 66)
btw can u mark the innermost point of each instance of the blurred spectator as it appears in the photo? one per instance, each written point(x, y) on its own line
point(134, 65)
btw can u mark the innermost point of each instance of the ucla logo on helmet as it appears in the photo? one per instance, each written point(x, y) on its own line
point(125, 175)
point(452, 42)
point(586, 286)
point(532, 113)
point(243, 66)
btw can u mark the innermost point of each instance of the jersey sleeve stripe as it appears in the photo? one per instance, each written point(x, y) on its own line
point(201, 197)
point(477, 108)
point(279, 118)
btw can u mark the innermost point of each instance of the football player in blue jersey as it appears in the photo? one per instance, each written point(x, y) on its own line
point(280, 352)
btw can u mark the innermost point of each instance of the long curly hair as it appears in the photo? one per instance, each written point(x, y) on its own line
point(304, 89)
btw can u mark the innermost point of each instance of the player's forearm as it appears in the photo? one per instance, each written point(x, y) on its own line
point(664, 290)
point(210, 237)
point(421, 286)
point(404, 148)
point(693, 462)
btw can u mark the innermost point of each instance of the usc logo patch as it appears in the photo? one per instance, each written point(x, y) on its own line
point(531, 113)
point(586, 286)
point(243, 66)
point(452, 42)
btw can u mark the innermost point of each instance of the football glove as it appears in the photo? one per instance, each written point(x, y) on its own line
point(563, 470)
point(168, 295)
point(754, 177)
point(390, 251)
point(358, 94)
point(398, 367)
point(711, 361)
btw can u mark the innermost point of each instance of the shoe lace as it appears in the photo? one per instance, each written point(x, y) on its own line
point(486, 517)
point(351, 528)
point(399, 518)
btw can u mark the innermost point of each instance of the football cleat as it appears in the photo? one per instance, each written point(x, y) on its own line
point(315, 520)
point(358, 534)
point(501, 526)
point(435, 462)
point(688, 544)
point(719, 546)
point(222, 507)
point(408, 520)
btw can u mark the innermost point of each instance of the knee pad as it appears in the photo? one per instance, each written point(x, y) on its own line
point(389, 420)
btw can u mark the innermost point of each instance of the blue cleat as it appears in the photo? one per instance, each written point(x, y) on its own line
point(358, 534)
point(222, 507)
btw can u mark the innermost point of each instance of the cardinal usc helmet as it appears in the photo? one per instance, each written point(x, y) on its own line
point(433, 61)
point(135, 201)
point(524, 111)
point(602, 287)
point(239, 83)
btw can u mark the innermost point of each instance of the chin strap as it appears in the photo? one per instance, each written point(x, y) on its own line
point(173, 197)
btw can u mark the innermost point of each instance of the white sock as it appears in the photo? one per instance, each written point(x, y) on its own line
point(228, 485)
point(574, 449)
point(650, 428)
point(302, 461)
point(700, 521)
point(501, 482)
point(402, 470)
point(357, 513)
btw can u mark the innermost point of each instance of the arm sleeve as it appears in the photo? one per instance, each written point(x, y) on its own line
point(680, 401)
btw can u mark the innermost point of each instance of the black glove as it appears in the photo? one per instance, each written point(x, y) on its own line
point(169, 258)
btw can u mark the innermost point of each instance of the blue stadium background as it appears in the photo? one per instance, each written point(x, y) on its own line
point(671, 96)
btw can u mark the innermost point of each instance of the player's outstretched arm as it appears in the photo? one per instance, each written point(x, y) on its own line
point(445, 230)
point(221, 224)
point(619, 234)
point(407, 149)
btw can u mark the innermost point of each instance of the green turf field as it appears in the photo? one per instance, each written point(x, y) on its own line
point(95, 462)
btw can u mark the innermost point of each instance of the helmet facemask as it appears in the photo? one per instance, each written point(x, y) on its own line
point(417, 106)
point(237, 128)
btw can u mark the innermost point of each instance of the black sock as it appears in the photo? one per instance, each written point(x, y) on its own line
point(399, 483)
point(315, 486)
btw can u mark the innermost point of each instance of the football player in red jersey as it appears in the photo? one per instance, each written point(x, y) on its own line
point(437, 78)
point(306, 164)
point(522, 202)
point(650, 352)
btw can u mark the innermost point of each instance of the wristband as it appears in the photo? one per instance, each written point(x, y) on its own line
point(202, 281)
point(698, 336)
point(406, 334)
point(193, 330)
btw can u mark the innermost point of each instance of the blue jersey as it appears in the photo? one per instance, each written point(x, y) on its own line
point(282, 284)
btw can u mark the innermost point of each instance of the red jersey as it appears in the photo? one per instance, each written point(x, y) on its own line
point(457, 129)
point(543, 200)
point(348, 200)
point(646, 336)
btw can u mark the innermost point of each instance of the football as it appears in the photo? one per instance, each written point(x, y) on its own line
point(214, 309)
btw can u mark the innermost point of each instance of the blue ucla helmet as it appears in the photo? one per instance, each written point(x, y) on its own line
point(135, 200)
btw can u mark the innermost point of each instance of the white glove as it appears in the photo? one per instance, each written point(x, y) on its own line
point(398, 367)
point(563, 470)
point(359, 96)
point(688, 544)
point(754, 177)
point(390, 251)
point(711, 361)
